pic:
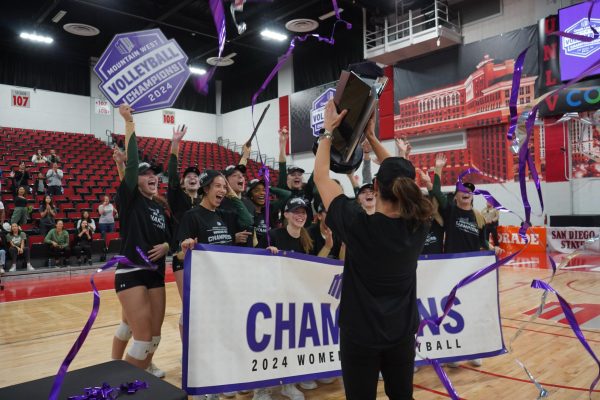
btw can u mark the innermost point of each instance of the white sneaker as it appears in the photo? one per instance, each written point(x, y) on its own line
point(154, 370)
point(290, 390)
point(415, 370)
point(2, 270)
point(262, 394)
point(476, 362)
point(308, 385)
point(326, 381)
point(13, 268)
point(451, 365)
point(212, 397)
point(30, 267)
point(229, 394)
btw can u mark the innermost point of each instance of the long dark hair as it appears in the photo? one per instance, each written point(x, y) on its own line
point(411, 202)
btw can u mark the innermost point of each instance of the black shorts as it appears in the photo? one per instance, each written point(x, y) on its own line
point(149, 279)
point(176, 264)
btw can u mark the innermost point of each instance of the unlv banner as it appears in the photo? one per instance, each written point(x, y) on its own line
point(254, 320)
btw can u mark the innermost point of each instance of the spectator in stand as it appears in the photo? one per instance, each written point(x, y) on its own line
point(20, 178)
point(53, 158)
point(19, 215)
point(85, 216)
point(2, 252)
point(54, 177)
point(17, 240)
point(47, 211)
point(2, 213)
point(107, 212)
point(40, 184)
point(58, 241)
point(38, 158)
point(83, 243)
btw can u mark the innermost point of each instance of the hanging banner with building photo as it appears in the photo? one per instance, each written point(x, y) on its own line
point(455, 101)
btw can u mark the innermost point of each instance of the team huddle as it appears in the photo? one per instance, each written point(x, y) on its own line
point(388, 224)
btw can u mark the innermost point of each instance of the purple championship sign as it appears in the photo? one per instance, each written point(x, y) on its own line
point(318, 109)
point(142, 69)
point(575, 55)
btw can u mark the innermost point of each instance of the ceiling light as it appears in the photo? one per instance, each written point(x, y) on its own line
point(59, 16)
point(36, 38)
point(197, 71)
point(268, 34)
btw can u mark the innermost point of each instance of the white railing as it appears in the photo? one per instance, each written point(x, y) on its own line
point(435, 17)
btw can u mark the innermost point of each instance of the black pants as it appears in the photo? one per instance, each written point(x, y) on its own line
point(361, 366)
point(14, 254)
point(54, 190)
point(82, 248)
point(56, 252)
point(492, 229)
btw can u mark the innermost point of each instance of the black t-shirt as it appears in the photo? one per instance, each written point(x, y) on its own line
point(210, 227)
point(143, 223)
point(378, 307)
point(434, 242)
point(319, 241)
point(260, 225)
point(83, 239)
point(20, 202)
point(180, 202)
point(281, 239)
point(462, 232)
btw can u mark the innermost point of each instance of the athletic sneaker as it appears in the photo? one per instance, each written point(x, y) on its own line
point(30, 267)
point(415, 370)
point(326, 381)
point(2, 270)
point(452, 365)
point(476, 362)
point(262, 394)
point(290, 390)
point(229, 394)
point(154, 370)
point(308, 385)
point(212, 397)
point(13, 268)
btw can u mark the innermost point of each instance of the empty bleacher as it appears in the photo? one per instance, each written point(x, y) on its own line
point(89, 173)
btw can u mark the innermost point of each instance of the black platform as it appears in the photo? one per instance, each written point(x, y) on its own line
point(586, 221)
point(112, 372)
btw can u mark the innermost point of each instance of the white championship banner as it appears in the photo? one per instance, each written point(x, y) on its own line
point(252, 319)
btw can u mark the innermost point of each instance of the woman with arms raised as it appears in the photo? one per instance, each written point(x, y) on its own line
point(378, 310)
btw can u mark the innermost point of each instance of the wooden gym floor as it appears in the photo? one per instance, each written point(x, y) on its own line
point(41, 317)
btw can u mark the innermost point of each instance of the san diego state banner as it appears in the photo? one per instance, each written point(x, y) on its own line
point(252, 319)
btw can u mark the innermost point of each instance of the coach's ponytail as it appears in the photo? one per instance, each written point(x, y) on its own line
point(412, 204)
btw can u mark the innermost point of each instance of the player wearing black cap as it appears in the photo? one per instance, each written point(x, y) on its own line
point(378, 310)
point(144, 224)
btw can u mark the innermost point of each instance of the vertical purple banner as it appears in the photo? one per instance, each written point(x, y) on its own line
point(142, 69)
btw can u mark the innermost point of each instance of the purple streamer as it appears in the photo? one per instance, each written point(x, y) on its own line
point(290, 50)
point(566, 308)
point(107, 392)
point(265, 173)
point(62, 370)
point(444, 378)
point(218, 13)
point(514, 94)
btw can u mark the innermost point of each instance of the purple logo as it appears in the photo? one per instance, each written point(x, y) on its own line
point(577, 48)
point(142, 69)
point(317, 110)
point(335, 290)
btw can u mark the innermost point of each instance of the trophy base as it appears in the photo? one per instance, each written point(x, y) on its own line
point(336, 162)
